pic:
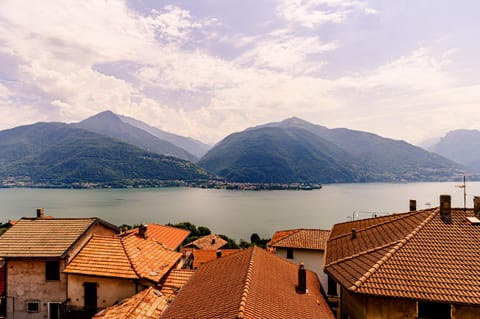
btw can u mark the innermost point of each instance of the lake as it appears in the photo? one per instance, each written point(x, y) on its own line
point(236, 214)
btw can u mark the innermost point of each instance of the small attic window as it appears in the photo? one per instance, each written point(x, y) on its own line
point(434, 310)
point(289, 253)
point(33, 306)
point(52, 270)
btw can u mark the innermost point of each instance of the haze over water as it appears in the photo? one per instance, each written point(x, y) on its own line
point(236, 214)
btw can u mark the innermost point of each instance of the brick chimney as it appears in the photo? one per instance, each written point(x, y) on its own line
point(446, 208)
point(476, 206)
point(142, 231)
point(213, 241)
point(40, 212)
point(413, 205)
point(302, 279)
point(219, 253)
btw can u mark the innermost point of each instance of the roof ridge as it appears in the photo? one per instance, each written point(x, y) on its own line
point(368, 251)
point(400, 216)
point(246, 288)
point(387, 256)
point(122, 239)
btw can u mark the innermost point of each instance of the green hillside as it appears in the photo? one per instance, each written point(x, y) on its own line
point(57, 154)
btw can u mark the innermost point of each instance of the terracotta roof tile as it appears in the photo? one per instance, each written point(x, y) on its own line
point(175, 280)
point(249, 284)
point(201, 257)
point(300, 238)
point(413, 255)
point(170, 237)
point(149, 259)
point(147, 304)
point(130, 256)
point(43, 237)
point(209, 242)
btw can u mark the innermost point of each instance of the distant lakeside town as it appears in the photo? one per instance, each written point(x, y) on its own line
point(11, 182)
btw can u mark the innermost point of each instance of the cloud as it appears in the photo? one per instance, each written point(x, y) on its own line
point(312, 13)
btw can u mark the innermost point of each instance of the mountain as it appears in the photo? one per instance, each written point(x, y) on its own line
point(462, 146)
point(189, 144)
point(109, 124)
point(59, 154)
point(295, 150)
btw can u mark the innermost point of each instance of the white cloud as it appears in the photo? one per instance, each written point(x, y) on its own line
point(312, 13)
point(283, 51)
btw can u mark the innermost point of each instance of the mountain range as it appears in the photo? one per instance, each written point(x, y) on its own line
point(461, 146)
point(296, 150)
point(112, 149)
point(62, 155)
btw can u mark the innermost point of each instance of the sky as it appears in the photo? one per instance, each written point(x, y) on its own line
point(207, 68)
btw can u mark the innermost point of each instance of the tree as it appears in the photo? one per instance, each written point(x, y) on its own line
point(254, 238)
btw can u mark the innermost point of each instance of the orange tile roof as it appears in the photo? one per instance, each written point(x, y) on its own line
point(413, 255)
point(175, 280)
point(250, 284)
point(209, 242)
point(315, 239)
point(130, 256)
point(201, 257)
point(147, 304)
point(170, 237)
point(102, 256)
point(149, 258)
point(43, 237)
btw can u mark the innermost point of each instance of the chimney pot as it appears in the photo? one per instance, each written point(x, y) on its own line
point(40, 212)
point(142, 231)
point(476, 206)
point(219, 253)
point(446, 208)
point(354, 233)
point(302, 279)
point(413, 205)
point(213, 241)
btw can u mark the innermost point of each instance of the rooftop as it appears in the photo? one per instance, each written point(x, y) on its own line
point(170, 237)
point(250, 284)
point(201, 257)
point(315, 239)
point(209, 242)
point(415, 255)
point(129, 256)
point(44, 237)
point(147, 304)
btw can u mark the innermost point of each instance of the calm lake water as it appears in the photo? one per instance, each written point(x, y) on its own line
point(236, 214)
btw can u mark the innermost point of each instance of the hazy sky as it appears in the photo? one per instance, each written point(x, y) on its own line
point(207, 68)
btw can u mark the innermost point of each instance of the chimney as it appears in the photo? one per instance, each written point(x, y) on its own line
point(446, 208)
point(354, 233)
point(476, 206)
point(213, 241)
point(142, 231)
point(413, 205)
point(40, 212)
point(219, 253)
point(302, 279)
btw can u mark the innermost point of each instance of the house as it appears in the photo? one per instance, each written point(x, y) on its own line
point(209, 242)
point(250, 284)
point(35, 252)
point(111, 268)
point(302, 245)
point(149, 303)
point(419, 264)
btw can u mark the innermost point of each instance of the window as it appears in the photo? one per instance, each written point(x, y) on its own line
point(52, 270)
point(290, 253)
point(434, 310)
point(33, 306)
